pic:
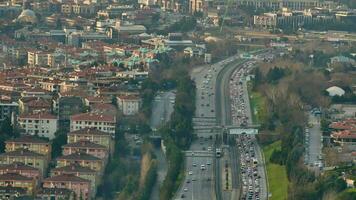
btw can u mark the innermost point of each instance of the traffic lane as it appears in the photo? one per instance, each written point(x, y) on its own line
point(314, 140)
point(196, 185)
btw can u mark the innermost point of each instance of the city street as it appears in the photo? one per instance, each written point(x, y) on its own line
point(162, 108)
point(313, 142)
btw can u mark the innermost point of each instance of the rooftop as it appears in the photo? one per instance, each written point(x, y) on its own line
point(13, 176)
point(73, 168)
point(79, 156)
point(93, 117)
point(66, 178)
point(84, 144)
point(22, 152)
point(17, 166)
point(27, 139)
point(89, 131)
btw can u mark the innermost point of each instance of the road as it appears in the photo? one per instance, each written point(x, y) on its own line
point(313, 142)
point(162, 108)
point(198, 183)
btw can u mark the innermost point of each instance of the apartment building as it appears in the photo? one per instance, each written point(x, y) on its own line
point(87, 147)
point(82, 159)
point(41, 124)
point(102, 122)
point(30, 143)
point(93, 135)
point(23, 170)
point(82, 172)
point(17, 181)
point(129, 104)
point(8, 109)
point(80, 186)
point(27, 157)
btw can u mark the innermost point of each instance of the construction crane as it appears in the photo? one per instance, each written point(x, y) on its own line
point(225, 14)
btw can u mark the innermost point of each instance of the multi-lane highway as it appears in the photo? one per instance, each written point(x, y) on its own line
point(218, 100)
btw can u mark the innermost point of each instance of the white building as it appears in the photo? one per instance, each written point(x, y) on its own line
point(102, 122)
point(129, 104)
point(265, 20)
point(41, 124)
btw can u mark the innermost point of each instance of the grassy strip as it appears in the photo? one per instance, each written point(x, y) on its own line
point(277, 175)
point(258, 105)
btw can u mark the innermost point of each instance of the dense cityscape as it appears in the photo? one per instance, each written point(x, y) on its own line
point(177, 99)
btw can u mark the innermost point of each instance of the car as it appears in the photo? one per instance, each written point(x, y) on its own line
point(185, 189)
point(202, 167)
point(208, 163)
point(182, 196)
point(194, 165)
point(190, 172)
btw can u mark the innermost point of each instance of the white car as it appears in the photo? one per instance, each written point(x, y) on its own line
point(185, 189)
point(190, 172)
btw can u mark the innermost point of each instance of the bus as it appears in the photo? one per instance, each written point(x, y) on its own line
point(218, 153)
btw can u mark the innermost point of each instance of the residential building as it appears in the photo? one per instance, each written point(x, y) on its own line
point(36, 93)
point(23, 170)
point(55, 194)
point(8, 109)
point(80, 186)
point(344, 132)
point(87, 147)
point(18, 181)
point(267, 20)
point(37, 58)
point(129, 104)
point(41, 124)
point(90, 100)
point(34, 105)
point(67, 106)
point(27, 157)
point(103, 122)
point(82, 159)
point(93, 135)
point(106, 108)
point(82, 172)
point(9, 192)
point(31, 143)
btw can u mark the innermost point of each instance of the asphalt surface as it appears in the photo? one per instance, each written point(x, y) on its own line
point(198, 183)
point(162, 108)
point(313, 142)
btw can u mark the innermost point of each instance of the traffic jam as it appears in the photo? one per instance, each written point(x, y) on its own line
point(250, 176)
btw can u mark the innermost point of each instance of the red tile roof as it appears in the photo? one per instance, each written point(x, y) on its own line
point(84, 144)
point(38, 116)
point(345, 134)
point(66, 178)
point(27, 139)
point(21, 153)
point(18, 166)
point(73, 168)
point(89, 131)
point(13, 176)
point(93, 117)
point(79, 156)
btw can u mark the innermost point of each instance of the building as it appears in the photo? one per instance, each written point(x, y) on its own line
point(41, 124)
point(93, 135)
point(82, 159)
point(90, 100)
point(82, 172)
point(80, 186)
point(12, 192)
point(55, 194)
point(27, 157)
point(23, 170)
point(37, 58)
point(106, 108)
point(67, 106)
point(87, 147)
point(8, 109)
point(129, 104)
point(18, 181)
point(34, 105)
point(30, 143)
point(345, 137)
point(267, 20)
point(102, 122)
